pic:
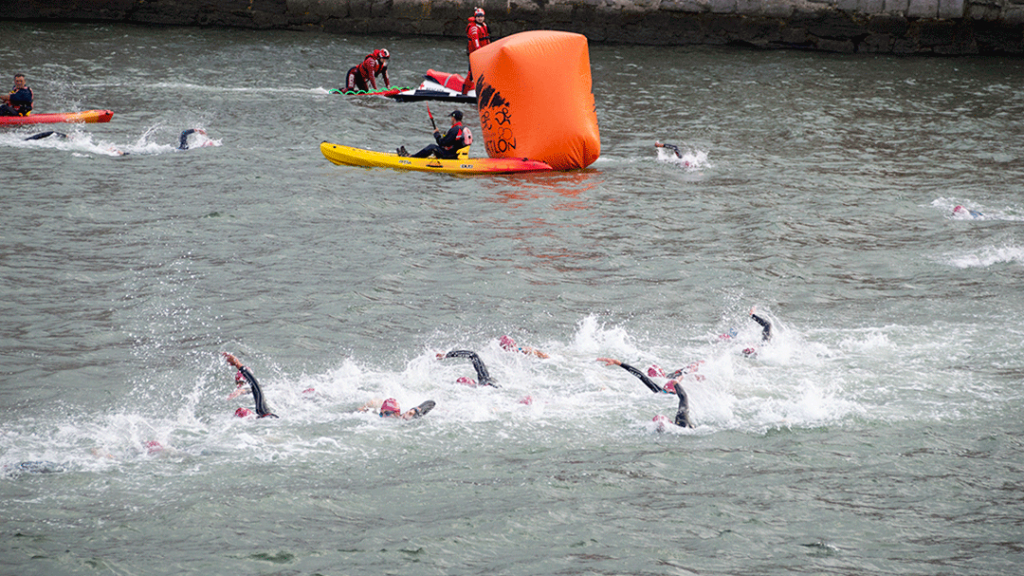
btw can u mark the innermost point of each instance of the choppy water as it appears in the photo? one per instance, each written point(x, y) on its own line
point(879, 432)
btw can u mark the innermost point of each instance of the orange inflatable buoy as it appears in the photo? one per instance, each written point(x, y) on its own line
point(535, 101)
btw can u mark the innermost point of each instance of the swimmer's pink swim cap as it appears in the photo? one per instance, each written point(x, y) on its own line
point(239, 379)
point(466, 380)
point(507, 343)
point(390, 405)
point(243, 412)
point(655, 370)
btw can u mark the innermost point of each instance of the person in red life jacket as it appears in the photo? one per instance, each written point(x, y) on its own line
point(383, 56)
point(364, 75)
point(448, 146)
point(19, 101)
point(477, 36)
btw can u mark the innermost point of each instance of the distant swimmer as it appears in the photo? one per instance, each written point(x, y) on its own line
point(509, 345)
point(482, 377)
point(766, 326)
point(675, 149)
point(965, 212)
point(47, 134)
point(682, 413)
point(669, 147)
point(183, 139)
point(766, 332)
point(254, 387)
point(389, 409)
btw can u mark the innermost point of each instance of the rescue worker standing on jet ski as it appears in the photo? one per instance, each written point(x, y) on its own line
point(478, 36)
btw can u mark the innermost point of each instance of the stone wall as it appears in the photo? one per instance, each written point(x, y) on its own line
point(878, 26)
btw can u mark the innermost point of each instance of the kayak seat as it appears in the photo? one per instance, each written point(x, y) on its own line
point(463, 153)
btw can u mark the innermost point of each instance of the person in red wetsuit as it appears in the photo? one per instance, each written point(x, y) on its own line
point(383, 57)
point(477, 36)
point(364, 75)
point(19, 101)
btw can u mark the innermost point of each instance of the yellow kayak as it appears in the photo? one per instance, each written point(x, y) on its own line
point(350, 156)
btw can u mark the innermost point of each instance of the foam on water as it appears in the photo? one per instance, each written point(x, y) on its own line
point(787, 385)
point(80, 142)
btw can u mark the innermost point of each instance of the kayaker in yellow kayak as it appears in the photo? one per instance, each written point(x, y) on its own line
point(448, 146)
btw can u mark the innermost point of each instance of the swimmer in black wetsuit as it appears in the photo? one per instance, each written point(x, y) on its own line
point(670, 147)
point(183, 140)
point(483, 378)
point(47, 134)
point(766, 333)
point(766, 326)
point(254, 386)
point(682, 413)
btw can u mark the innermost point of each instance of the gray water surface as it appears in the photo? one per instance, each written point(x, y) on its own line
point(879, 432)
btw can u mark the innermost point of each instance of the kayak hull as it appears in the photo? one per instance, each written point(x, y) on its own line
point(88, 117)
point(349, 156)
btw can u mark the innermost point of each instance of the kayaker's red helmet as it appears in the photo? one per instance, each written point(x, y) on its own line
point(390, 408)
point(479, 13)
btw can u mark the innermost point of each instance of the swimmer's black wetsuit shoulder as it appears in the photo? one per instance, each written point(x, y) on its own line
point(183, 141)
point(481, 371)
point(47, 134)
point(766, 332)
point(257, 394)
point(683, 412)
point(643, 378)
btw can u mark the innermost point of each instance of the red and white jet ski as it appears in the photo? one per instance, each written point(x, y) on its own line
point(437, 86)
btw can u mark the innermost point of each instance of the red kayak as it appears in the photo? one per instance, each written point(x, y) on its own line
point(88, 117)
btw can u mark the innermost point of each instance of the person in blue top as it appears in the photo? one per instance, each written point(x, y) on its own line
point(448, 146)
point(19, 101)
